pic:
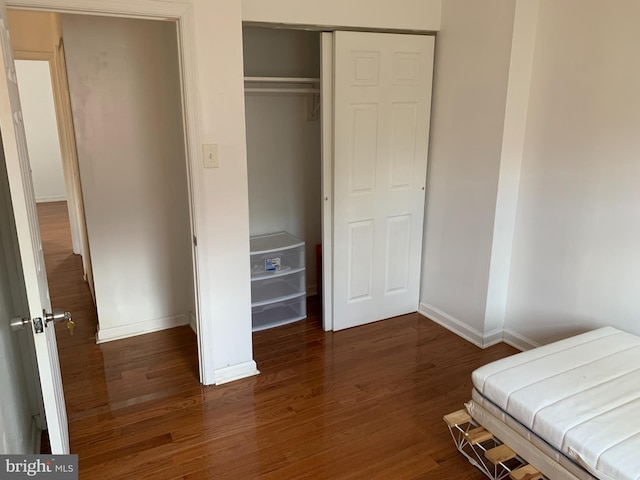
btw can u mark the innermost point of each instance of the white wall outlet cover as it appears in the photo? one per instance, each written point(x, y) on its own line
point(210, 154)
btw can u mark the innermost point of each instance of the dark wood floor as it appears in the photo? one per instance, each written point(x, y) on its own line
point(362, 403)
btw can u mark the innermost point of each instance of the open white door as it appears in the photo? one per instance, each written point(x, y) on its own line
point(382, 108)
point(29, 244)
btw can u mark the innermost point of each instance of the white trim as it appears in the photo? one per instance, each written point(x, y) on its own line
point(513, 138)
point(492, 338)
point(162, 10)
point(326, 113)
point(518, 341)
point(193, 322)
point(140, 328)
point(460, 328)
point(36, 436)
point(236, 372)
point(183, 13)
point(191, 105)
point(52, 198)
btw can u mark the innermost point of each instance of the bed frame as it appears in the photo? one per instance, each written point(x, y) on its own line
point(499, 451)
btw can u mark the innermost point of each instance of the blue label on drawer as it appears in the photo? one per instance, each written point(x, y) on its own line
point(272, 264)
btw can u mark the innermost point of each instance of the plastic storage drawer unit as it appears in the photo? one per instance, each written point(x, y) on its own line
point(278, 286)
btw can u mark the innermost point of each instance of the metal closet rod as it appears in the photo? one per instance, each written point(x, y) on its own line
point(282, 79)
point(282, 90)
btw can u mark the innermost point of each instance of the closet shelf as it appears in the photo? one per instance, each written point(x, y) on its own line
point(288, 85)
point(281, 80)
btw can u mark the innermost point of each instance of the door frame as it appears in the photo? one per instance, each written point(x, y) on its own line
point(67, 145)
point(183, 14)
point(326, 108)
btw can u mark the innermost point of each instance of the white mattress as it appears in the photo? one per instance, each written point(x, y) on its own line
point(581, 395)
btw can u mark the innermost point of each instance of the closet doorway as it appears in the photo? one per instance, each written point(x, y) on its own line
point(284, 158)
point(376, 102)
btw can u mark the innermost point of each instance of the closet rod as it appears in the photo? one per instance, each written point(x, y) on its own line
point(282, 79)
point(282, 90)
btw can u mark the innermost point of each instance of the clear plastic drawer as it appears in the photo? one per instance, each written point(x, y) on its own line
point(276, 254)
point(279, 313)
point(272, 289)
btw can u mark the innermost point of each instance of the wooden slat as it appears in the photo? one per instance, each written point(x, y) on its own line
point(528, 472)
point(361, 403)
point(461, 417)
point(499, 454)
point(478, 435)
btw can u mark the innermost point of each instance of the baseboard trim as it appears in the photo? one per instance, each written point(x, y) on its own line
point(518, 341)
point(36, 437)
point(460, 328)
point(53, 198)
point(140, 328)
point(192, 323)
point(236, 372)
point(492, 338)
point(312, 290)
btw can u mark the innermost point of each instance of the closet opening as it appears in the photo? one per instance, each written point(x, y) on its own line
point(283, 129)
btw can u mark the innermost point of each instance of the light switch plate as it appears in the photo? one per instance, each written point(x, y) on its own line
point(210, 154)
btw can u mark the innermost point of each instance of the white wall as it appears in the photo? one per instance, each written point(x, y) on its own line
point(277, 52)
point(576, 261)
point(16, 435)
point(401, 14)
point(125, 95)
point(224, 236)
point(36, 99)
point(283, 146)
point(469, 94)
point(224, 226)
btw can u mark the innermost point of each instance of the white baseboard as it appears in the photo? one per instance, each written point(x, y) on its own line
point(460, 328)
point(52, 198)
point(492, 338)
point(36, 437)
point(140, 328)
point(236, 372)
point(518, 341)
point(192, 323)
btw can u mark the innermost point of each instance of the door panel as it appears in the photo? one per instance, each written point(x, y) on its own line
point(364, 148)
point(397, 257)
point(382, 94)
point(360, 250)
point(29, 243)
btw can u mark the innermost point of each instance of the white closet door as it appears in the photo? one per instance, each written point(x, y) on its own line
point(381, 127)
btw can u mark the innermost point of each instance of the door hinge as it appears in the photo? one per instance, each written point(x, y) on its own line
point(195, 241)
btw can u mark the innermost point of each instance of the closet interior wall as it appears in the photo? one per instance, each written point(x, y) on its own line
point(284, 139)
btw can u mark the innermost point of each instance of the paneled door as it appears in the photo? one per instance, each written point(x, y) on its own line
point(382, 105)
point(25, 236)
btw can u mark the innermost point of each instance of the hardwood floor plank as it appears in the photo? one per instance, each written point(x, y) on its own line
point(364, 403)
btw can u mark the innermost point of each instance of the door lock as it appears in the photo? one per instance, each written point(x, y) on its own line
point(55, 316)
point(18, 323)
